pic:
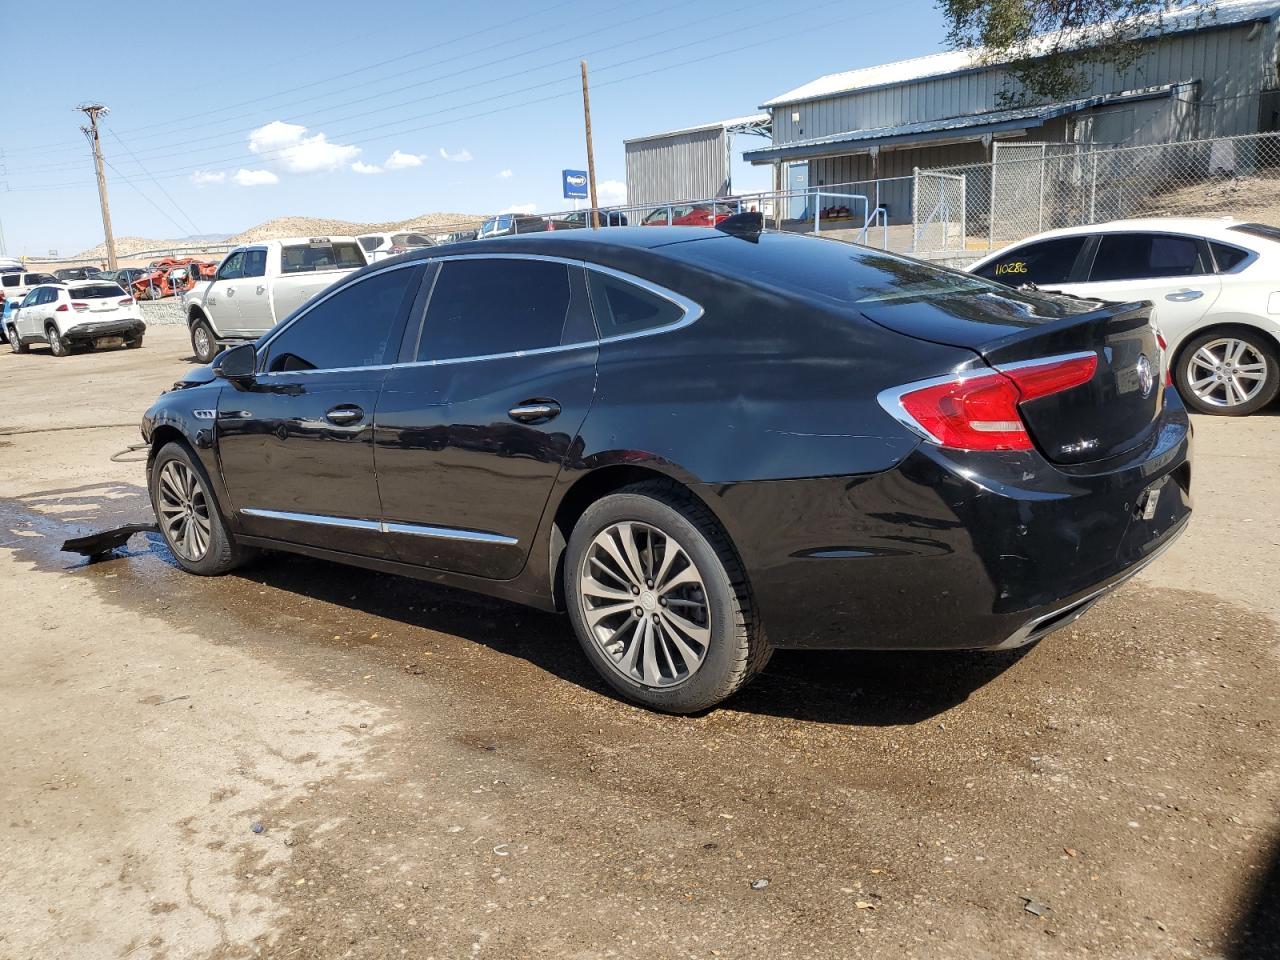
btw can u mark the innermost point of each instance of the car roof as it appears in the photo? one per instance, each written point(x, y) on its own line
point(1200, 226)
point(572, 242)
point(87, 282)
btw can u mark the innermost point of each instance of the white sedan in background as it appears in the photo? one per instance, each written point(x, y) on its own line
point(1215, 285)
point(78, 313)
point(379, 246)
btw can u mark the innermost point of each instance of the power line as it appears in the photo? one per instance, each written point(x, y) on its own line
point(159, 186)
point(163, 212)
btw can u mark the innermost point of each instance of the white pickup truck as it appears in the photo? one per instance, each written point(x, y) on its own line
point(260, 284)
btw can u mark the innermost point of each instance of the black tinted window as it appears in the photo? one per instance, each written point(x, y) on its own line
point(483, 307)
point(1227, 257)
point(10, 279)
point(99, 291)
point(357, 327)
point(231, 267)
point(621, 307)
point(255, 263)
point(320, 256)
point(1046, 262)
point(1140, 256)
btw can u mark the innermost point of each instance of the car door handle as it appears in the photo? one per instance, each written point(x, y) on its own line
point(230, 291)
point(1184, 296)
point(260, 290)
point(345, 415)
point(534, 411)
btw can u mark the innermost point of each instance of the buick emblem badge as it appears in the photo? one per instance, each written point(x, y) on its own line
point(1146, 376)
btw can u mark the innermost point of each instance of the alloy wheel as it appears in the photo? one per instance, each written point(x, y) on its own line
point(645, 603)
point(184, 510)
point(1227, 372)
point(203, 343)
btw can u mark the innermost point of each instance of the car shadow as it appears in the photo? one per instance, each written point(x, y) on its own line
point(1257, 933)
point(859, 688)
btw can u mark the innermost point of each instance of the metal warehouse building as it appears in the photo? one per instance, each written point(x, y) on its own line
point(687, 164)
point(1204, 74)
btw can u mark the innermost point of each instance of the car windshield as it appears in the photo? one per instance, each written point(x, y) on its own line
point(99, 291)
point(310, 257)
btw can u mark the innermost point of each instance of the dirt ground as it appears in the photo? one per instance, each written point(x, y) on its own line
point(440, 776)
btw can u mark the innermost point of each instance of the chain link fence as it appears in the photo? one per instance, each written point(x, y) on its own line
point(964, 211)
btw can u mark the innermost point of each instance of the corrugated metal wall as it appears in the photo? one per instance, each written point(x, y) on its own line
point(686, 166)
point(1231, 68)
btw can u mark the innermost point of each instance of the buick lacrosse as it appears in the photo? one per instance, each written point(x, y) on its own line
point(703, 444)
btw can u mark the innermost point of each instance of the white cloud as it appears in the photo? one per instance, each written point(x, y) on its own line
point(361, 167)
point(401, 161)
point(520, 208)
point(462, 156)
point(505, 174)
point(611, 193)
point(286, 145)
point(255, 178)
point(204, 177)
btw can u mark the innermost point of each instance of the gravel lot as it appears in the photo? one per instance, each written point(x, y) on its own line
point(441, 776)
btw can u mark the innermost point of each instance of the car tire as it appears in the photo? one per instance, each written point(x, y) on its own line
point(203, 343)
point(15, 342)
point(133, 344)
point(677, 542)
point(188, 514)
point(1228, 372)
point(57, 346)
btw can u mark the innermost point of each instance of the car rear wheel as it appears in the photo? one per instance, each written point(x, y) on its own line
point(659, 600)
point(203, 342)
point(1230, 373)
point(57, 345)
point(188, 514)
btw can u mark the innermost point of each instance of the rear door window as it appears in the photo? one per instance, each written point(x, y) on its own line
point(623, 308)
point(1145, 256)
point(1227, 257)
point(483, 307)
point(1044, 263)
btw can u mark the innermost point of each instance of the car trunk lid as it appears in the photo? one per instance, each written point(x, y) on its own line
point(1113, 411)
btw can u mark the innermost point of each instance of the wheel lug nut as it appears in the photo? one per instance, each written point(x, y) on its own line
point(662, 601)
point(649, 584)
point(635, 591)
point(639, 612)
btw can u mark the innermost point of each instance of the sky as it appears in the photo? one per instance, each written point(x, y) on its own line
point(385, 111)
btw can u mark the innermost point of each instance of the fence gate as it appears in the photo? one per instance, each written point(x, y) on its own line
point(937, 211)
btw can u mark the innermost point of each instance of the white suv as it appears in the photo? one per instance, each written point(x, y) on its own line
point(83, 313)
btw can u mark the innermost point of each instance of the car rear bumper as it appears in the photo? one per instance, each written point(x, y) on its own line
point(955, 549)
point(85, 332)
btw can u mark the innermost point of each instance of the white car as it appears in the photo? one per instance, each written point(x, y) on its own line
point(378, 246)
point(81, 313)
point(1215, 286)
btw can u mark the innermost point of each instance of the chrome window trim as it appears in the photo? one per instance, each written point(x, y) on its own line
point(378, 526)
point(692, 313)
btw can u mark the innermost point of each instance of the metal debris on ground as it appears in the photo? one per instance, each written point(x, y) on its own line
point(1032, 907)
point(760, 884)
point(257, 828)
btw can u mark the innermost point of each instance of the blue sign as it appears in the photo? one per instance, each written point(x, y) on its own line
point(575, 184)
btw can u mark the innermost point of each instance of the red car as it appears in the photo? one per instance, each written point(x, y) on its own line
point(689, 215)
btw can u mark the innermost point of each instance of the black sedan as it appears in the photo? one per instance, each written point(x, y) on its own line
point(703, 444)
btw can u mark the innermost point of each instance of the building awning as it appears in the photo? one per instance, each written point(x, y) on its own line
point(972, 126)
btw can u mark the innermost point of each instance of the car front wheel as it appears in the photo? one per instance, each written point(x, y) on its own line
point(659, 600)
point(15, 342)
point(1230, 373)
point(188, 514)
point(203, 342)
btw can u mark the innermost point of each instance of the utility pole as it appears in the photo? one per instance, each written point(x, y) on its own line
point(591, 157)
point(93, 111)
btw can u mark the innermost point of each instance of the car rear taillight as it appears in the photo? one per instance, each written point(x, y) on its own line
point(62, 308)
point(980, 412)
point(126, 302)
point(79, 307)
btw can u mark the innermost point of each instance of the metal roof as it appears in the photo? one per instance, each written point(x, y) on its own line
point(1227, 13)
point(756, 123)
point(965, 127)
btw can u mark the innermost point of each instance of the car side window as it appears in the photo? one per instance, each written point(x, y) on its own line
point(255, 263)
point(1044, 263)
point(232, 266)
point(1227, 257)
point(480, 307)
point(1143, 256)
point(30, 299)
point(359, 326)
point(621, 307)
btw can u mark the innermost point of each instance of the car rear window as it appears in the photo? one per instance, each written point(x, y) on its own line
point(621, 307)
point(1258, 230)
point(843, 273)
point(370, 244)
point(410, 240)
point(100, 291)
point(1227, 257)
point(310, 257)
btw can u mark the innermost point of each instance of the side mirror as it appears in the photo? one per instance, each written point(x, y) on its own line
point(238, 363)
